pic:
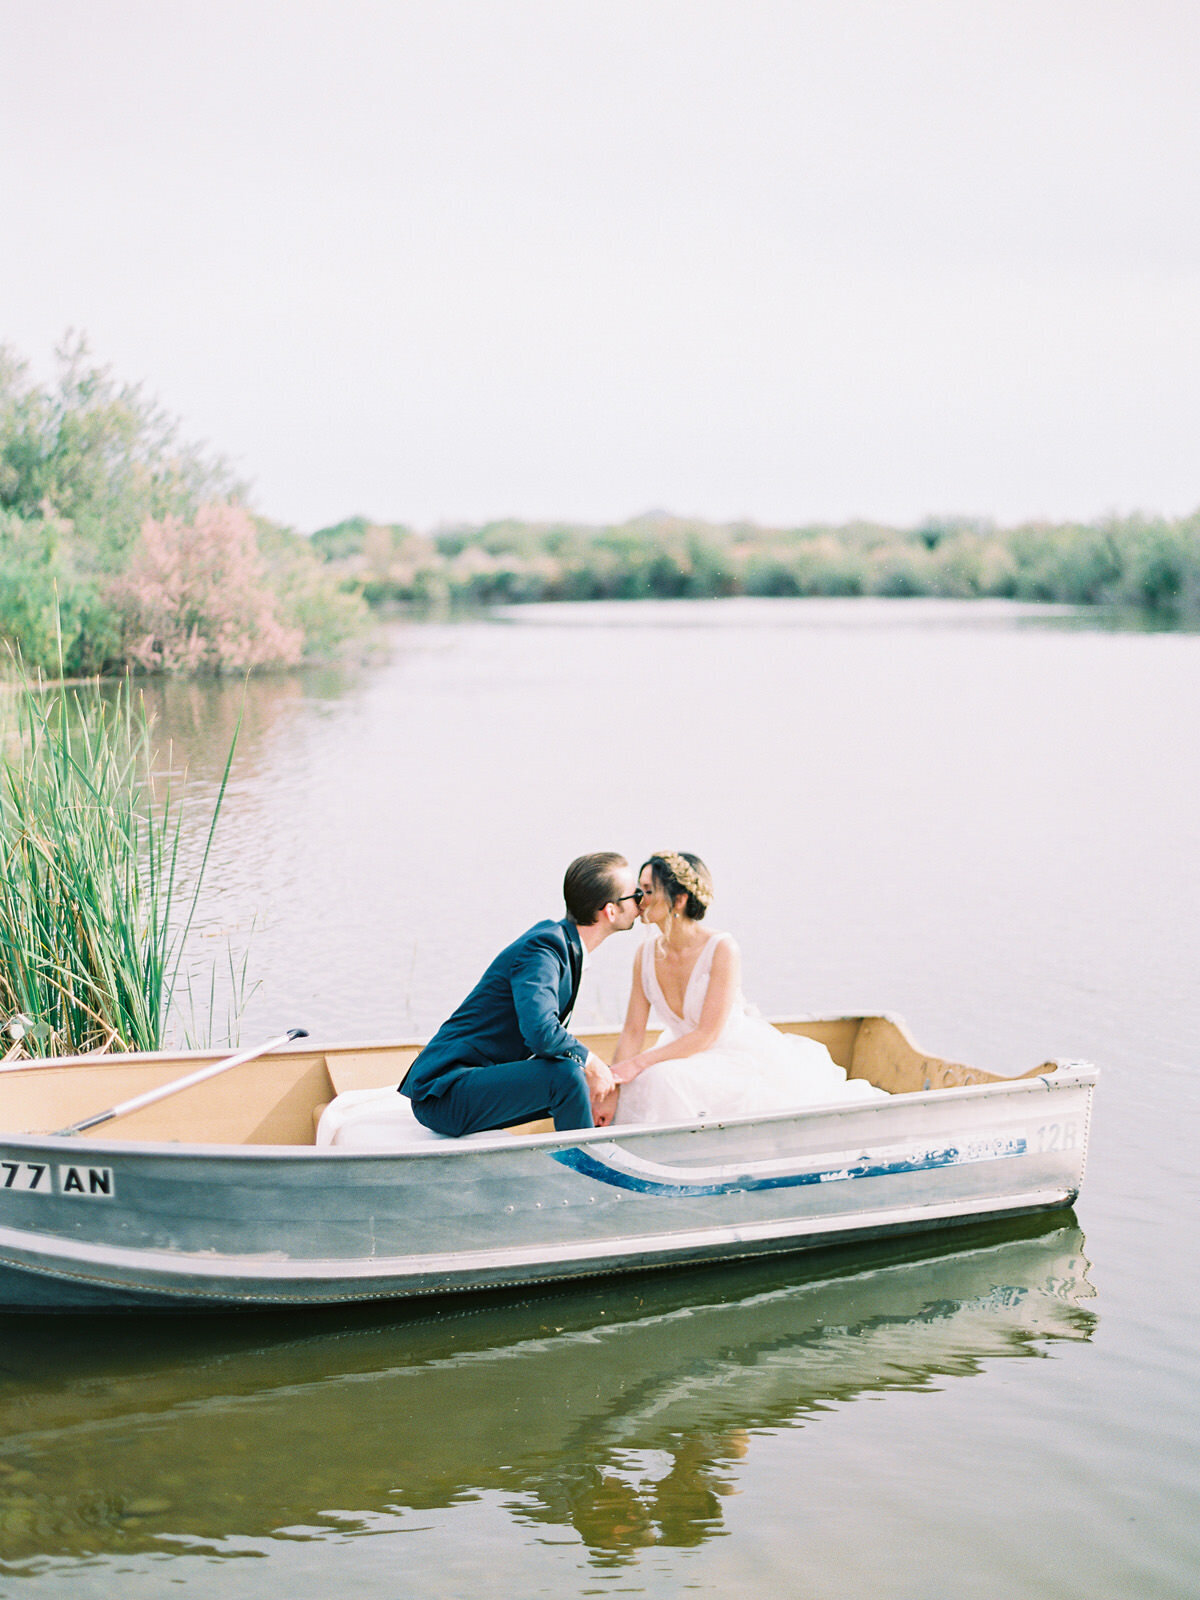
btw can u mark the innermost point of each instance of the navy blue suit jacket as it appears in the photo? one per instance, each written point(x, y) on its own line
point(513, 1013)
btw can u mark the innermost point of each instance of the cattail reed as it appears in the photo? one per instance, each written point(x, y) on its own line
point(93, 919)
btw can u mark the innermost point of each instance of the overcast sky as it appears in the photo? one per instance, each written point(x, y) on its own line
point(785, 259)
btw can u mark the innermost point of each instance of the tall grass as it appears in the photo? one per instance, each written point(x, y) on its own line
point(93, 919)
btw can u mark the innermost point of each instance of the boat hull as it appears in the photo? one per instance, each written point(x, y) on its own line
point(109, 1224)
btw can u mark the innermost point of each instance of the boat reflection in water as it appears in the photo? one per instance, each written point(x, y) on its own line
point(619, 1409)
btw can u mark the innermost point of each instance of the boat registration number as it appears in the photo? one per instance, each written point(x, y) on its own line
point(42, 1177)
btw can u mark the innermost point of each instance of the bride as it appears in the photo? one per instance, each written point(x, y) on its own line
point(715, 1057)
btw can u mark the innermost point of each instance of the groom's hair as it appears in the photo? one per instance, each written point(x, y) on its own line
point(590, 883)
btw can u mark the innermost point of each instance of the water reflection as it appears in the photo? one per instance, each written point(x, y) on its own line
point(196, 720)
point(620, 1410)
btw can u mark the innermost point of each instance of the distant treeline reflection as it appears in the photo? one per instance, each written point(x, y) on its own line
point(1148, 563)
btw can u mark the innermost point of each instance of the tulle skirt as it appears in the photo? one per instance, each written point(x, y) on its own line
point(752, 1068)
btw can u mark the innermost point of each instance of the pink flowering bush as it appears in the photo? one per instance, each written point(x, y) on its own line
point(195, 597)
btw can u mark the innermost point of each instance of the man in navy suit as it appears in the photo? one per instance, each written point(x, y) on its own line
point(505, 1055)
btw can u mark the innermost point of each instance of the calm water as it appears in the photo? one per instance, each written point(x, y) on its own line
point(986, 823)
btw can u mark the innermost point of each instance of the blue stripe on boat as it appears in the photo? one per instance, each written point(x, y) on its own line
point(589, 1166)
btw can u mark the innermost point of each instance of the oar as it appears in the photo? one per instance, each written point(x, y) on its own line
point(161, 1093)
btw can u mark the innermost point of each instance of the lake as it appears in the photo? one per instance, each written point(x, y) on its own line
point(981, 816)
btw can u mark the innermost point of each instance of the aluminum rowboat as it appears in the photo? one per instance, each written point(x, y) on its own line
point(218, 1197)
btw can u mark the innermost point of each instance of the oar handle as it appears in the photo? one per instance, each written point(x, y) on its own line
point(211, 1071)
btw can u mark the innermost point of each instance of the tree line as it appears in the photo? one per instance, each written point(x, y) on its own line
point(1148, 564)
point(125, 548)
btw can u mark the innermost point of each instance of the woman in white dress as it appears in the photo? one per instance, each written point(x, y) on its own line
point(715, 1058)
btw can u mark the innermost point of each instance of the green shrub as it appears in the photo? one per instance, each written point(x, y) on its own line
point(308, 596)
point(50, 612)
point(122, 545)
point(97, 454)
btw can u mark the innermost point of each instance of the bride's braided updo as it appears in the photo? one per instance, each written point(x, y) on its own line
point(680, 872)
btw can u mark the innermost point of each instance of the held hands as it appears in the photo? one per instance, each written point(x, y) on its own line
point(599, 1076)
point(604, 1108)
point(627, 1071)
point(603, 1088)
point(604, 1102)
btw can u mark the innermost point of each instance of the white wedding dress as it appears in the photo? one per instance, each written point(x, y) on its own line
point(751, 1068)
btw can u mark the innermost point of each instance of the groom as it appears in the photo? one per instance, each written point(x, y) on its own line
point(505, 1057)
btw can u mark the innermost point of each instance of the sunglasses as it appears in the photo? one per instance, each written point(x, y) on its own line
point(637, 897)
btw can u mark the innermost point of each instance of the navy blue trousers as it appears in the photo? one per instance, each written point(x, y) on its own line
point(515, 1091)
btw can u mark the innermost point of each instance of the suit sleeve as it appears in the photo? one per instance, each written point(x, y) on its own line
point(535, 983)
